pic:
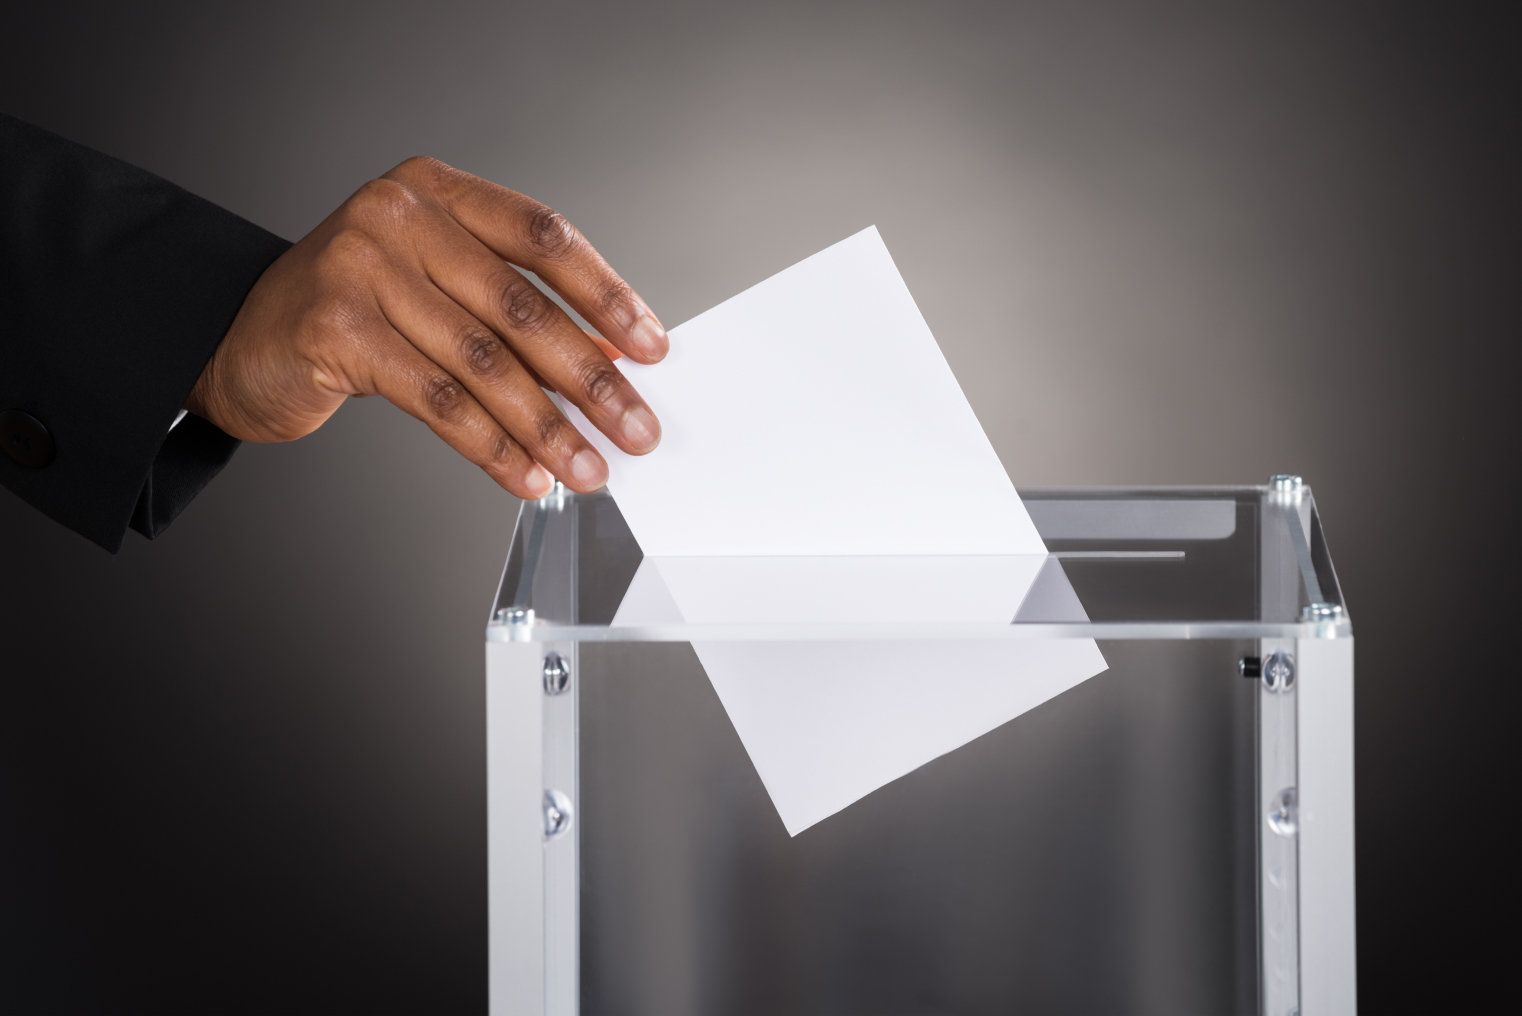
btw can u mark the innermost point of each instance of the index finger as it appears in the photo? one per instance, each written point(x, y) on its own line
point(532, 235)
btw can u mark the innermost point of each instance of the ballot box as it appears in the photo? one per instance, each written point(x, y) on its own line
point(1169, 829)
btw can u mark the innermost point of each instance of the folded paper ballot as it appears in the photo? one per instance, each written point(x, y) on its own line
point(803, 421)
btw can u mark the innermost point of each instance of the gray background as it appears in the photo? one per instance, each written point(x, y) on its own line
point(241, 768)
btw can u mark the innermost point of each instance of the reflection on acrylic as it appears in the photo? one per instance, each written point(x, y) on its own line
point(827, 722)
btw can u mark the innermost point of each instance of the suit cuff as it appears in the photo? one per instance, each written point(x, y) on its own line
point(194, 452)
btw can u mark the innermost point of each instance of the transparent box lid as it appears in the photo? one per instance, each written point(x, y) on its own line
point(1122, 563)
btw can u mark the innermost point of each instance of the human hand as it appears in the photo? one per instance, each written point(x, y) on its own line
point(408, 291)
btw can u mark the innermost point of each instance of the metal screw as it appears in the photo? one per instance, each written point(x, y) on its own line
point(1286, 483)
point(1284, 816)
point(516, 615)
point(1279, 671)
point(557, 674)
point(556, 496)
point(1322, 612)
point(558, 813)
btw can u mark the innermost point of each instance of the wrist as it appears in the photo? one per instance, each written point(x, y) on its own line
point(199, 399)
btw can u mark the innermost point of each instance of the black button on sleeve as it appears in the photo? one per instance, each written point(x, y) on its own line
point(25, 439)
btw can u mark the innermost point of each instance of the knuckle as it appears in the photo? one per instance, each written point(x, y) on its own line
point(526, 307)
point(550, 428)
point(599, 381)
point(551, 235)
point(349, 251)
point(481, 350)
point(427, 173)
point(384, 202)
point(504, 450)
point(617, 301)
point(418, 166)
point(334, 317)
point(446, 398)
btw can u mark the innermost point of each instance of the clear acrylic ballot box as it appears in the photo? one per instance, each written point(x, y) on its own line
point(1172, 835)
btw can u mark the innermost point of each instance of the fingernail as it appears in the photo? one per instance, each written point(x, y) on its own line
point(641, 429)
point(538, 481)
point(587, 469)
point(649, 337)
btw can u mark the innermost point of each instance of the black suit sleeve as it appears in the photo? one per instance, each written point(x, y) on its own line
point(115, 288)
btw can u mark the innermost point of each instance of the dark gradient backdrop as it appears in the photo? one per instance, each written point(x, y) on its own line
point(241, 769)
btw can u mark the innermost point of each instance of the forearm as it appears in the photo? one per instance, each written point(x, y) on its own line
point(115, 288)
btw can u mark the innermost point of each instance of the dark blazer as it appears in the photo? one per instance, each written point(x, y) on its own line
point(115, 288)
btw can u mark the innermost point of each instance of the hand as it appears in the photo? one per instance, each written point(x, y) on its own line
point(408, 291)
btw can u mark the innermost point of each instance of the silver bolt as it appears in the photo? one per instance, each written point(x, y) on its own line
point(516, 615)
point(1322, 612)
point(1286, 483)
point(558, 813)
point(1284, 813)
point(557, 674)
point(1279, 671)
point(556, 496)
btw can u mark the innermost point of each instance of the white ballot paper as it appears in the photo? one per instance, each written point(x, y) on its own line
point(819, 464)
